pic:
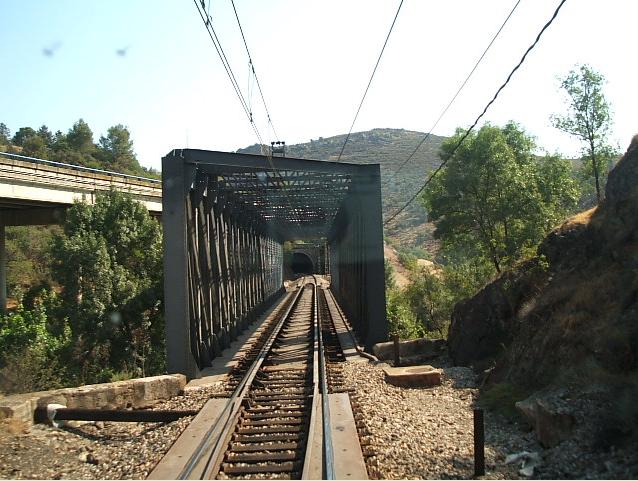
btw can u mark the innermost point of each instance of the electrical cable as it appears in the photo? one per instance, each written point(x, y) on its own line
point(220, 52)
point(392, 175)
point(489, 104)
point(370, 81)
point(261, 93)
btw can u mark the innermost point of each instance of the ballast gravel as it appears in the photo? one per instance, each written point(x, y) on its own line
point(94, 450)
point(427, 433)
point(411, 433)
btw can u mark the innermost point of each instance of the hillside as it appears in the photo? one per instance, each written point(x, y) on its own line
point(389, 148)
point(565, 322)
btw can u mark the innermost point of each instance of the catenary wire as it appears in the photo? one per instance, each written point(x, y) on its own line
point(252, 64)
point(467, 132)
point(215, 39)
point(370, 81)
point(444, 111)
point(222, 56)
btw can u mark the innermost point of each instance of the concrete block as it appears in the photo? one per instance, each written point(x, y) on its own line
point(413, 376)
point(137, 393)
point(416, 348)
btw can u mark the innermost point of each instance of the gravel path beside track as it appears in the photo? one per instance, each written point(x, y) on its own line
point(426, 433)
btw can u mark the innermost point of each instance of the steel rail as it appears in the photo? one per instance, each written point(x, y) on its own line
point(327, 437)
point(229, 414)
point(79, 167)
point(305, 473)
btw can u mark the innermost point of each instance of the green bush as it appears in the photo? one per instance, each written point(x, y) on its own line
point(34, 347)
point(502, 398)
point(402, 320)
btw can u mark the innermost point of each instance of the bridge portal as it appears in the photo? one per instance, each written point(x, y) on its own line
point(226, 217)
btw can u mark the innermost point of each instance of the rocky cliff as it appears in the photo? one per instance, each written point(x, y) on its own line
point(573, 307)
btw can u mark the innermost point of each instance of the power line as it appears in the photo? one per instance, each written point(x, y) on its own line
point(370, 81)
point(252, 64)
point(220, 51)
point(489, 104)
point(454, 97)
point(222, 56)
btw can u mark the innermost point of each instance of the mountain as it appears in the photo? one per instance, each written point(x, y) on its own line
point(389, 148)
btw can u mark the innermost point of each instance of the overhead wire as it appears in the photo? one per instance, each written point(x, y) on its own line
point(252, 64)
point(489, 104)
point(370, 81)
point(205, 16)
point(444, 111)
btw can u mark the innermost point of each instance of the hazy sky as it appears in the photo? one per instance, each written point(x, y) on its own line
point(313, 59)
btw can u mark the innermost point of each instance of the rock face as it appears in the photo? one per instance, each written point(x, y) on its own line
point(482, 326)
point(571, 312)
point(551, 424)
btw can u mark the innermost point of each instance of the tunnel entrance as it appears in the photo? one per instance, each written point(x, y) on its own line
point(301, 264)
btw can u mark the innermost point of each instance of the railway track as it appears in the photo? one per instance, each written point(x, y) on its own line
point(272, 422)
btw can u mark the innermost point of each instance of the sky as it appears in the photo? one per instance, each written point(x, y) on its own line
point(313, 60)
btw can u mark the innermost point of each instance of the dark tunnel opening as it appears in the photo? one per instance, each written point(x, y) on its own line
point(301, 264)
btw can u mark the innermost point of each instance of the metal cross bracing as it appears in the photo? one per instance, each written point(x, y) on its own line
point(225, 219)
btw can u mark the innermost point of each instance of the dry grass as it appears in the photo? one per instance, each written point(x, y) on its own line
point(582, 218)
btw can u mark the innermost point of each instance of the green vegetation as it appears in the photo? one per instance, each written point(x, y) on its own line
point(29, 258)
point(494, 199)
point(107, 322)
point(589, 120)
point(502, 398)
point(113, 152)
point(491, 204)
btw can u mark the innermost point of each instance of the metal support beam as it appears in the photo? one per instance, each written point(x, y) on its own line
point(356, 258)
point(372, 245)
point(175, 186)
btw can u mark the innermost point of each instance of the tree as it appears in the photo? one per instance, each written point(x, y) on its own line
point(22, 135)
point(46, 135)
point(109, 263)
point(80, 138)
point(116, 151)
point(588, 116)
point(35, 146)
point(5, 134)
point(495, 199)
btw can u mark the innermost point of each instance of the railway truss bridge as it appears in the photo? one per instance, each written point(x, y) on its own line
point(226, 218)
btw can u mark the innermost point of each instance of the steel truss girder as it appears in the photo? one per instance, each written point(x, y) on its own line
point(225, 218)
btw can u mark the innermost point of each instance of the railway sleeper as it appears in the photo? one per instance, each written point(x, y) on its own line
point(296, 389)
point(260, 457)
point(272, 422)
point(264, 430)
point(265, 438)
point(279, 397)
point(285, 467)
point(281, 404)
point(254, 447)
point(275, 415)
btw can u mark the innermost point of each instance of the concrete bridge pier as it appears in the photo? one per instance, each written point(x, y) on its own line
point(3, 270)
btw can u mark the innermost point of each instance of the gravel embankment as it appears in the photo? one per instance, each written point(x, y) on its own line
point(414, 433)
point(427, 434)
point(94, 450)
